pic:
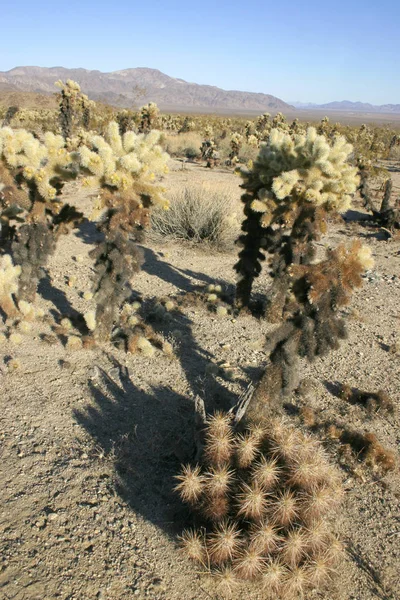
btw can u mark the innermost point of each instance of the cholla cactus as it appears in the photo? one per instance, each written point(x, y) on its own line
point(318, 291)
point(10, 114)
point(9, 281)
point(263, 123)
point(279, 121)
point(187, 125)
point(148, 117)
point(43, 167)
point(14, 201)
point(125, 168)
point(236, 143)
point(294, 181)
point(249, 129)
point(74, 108)
point(125, 120)
point(266, 498)
point(324, 126)
point(210, 153)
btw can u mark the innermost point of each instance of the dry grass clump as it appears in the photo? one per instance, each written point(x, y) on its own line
point(198, 215)
point(265, 498)
point(184, 145)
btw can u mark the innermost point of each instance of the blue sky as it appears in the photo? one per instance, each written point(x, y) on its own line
point(307, 51)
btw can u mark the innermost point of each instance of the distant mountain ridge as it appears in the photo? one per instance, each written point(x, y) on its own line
point(139, 86)
point(348, 106)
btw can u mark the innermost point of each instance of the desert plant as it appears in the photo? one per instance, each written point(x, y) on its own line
point(149, 115)
point(209, 153)
point(264, 498)
point(318, 291)
point(124, 167)
point(39, 171)
point(388, 213)
point(185, 145)
point(236, 142)
point(199, 216)
point(74, 108)
point(295, 181)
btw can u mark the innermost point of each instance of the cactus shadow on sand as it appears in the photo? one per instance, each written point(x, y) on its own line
point(180, 278)
point(147, 435)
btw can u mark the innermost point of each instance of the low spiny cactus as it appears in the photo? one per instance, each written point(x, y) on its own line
point(265, 499)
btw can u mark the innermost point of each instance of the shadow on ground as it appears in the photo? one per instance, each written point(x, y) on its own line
point(148, 435)
point(183, 279)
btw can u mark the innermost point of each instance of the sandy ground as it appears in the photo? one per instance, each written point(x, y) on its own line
point(91, 439)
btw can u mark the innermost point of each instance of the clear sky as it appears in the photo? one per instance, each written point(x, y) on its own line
point(296, 50)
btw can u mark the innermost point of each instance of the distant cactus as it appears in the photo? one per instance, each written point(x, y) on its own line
point(209, 153)
point(235, 143)
point(149, 115)
point(75, 108)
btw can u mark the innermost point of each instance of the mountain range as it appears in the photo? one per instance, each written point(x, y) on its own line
point(134, 87)
point(348, 106)
point(137, 87)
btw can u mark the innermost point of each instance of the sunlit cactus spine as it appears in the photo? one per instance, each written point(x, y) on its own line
point(263, 500)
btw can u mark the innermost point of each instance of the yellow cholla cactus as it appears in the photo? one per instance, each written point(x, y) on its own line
point(121, 163)
point(303, 169)
point(9, 279)
point(39, 162)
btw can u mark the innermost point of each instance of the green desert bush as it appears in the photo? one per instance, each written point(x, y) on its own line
point(263, 502)
point(200, 216)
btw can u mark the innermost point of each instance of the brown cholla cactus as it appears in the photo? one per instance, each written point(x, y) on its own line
point(148, 117)
point(315, 327)
point(265, 500)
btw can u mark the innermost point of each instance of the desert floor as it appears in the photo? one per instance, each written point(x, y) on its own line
point(91, 439)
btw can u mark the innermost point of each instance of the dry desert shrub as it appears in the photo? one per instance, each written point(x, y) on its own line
point(185, 145)
point(200, 216)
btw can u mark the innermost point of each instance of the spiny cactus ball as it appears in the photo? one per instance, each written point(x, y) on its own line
point(264, 499)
